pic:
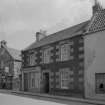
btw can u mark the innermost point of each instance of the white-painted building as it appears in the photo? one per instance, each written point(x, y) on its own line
point(94, 48)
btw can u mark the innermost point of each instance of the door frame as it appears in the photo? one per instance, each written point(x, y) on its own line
point(26, 88)
point(47, 71)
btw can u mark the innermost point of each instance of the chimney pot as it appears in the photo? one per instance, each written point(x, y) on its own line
point(96, 7)
point(40, 35)
point(3, 43)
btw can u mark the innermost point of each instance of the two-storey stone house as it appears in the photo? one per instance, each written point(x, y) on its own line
point(69, 62)
point(10, 65)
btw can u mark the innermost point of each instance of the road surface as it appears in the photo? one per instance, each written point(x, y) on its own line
point(7, 99)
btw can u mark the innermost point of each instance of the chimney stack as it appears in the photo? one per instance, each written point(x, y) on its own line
point(40, 35)
point(3, 43)
point(97, 7)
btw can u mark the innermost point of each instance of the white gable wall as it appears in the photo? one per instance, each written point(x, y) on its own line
point(94, 62)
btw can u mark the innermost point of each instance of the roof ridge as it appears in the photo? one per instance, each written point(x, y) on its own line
point(60, 35)
point(13, 49)
point(14, 53)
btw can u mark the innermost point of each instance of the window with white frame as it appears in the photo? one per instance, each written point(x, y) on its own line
point(64, 78)
point(32, 59)
point(65, 52)
point(47, 55)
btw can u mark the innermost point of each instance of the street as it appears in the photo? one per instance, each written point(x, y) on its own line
point(7, 99)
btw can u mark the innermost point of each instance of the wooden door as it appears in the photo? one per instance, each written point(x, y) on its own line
point(25, 81)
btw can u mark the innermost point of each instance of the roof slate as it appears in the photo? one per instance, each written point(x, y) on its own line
point(61, 35)
point(97, 22)
point(16, 54)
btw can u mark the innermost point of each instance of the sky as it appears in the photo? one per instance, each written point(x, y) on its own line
point(21, 19)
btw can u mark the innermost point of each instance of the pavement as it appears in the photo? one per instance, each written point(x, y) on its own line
point(8, 99)
point(55, 98)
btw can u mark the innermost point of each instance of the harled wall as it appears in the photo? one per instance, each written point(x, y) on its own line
point(94, 62)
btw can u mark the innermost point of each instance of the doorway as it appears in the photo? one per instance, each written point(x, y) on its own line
point(46, 82)
point(25, 81)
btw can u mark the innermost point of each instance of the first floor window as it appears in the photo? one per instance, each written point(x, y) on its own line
point(32, 59)
point(64, 78)
point(65, 52)
point(46, 55)
point(100, 83)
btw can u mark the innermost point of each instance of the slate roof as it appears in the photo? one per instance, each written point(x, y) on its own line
point(16, 54)
point(96, 23)
point(61, 35)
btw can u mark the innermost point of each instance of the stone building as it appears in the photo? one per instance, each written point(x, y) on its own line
point(10, 65)
point(70, 62)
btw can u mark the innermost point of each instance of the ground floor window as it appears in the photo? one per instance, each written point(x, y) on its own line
point(32, 75)
point(35, 80)
point(64, 78)
point(100, 83)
